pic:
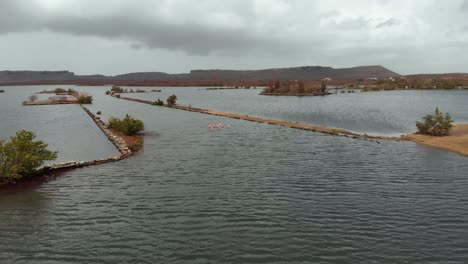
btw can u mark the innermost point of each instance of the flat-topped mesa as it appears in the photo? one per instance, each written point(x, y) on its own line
point(35, 76)
point(196, 77)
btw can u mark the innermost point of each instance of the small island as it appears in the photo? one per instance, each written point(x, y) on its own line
point(62, 96)
point(297, 88)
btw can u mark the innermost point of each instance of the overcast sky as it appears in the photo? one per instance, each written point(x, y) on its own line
point(175, 36)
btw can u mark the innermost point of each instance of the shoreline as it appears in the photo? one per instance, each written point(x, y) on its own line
point(457, 142)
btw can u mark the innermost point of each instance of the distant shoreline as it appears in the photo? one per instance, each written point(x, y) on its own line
point(297, 94)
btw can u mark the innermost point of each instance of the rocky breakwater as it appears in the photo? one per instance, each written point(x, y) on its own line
point(119, 143)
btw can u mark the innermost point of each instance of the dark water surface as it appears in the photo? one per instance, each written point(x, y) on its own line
point(253, 193)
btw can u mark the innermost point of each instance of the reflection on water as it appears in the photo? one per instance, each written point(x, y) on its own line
point(254, 193)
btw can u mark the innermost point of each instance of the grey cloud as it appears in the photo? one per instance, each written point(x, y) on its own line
point(144, 30)
point(389, 23)
point(464, 6)
point(193, 39)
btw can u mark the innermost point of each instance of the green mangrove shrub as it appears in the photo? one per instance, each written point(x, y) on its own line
point(171, 100)
point(22, 156)
point(158, 102)
point(128, 126)
point(437, 124)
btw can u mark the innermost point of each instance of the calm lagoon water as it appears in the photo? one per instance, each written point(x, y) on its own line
point(253, 193)
point(379, 113)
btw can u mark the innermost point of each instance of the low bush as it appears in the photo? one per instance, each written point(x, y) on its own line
point(73, 93)
point(85, 99)
point(158, 102)
point(127, 126)
point(435, 125)
point(117, 89)
point(22, 156)
point(32, 98)
point(171, 100)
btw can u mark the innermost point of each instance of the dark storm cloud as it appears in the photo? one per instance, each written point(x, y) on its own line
point(194, 39)
point(250, 32)
point(136, 25)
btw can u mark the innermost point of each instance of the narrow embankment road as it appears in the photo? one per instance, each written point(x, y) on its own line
point(296, 125)
point(457, 142)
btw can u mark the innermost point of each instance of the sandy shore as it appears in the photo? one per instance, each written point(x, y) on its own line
point(457, 141)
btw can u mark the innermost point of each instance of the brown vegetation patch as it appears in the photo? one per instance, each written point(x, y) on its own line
point(51, 102)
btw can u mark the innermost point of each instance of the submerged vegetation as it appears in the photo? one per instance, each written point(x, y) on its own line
point(134, 143)
point(22, 156)
point(437, 124)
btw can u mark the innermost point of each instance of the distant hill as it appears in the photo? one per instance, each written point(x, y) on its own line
point(33, 76)
point(296, 73)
